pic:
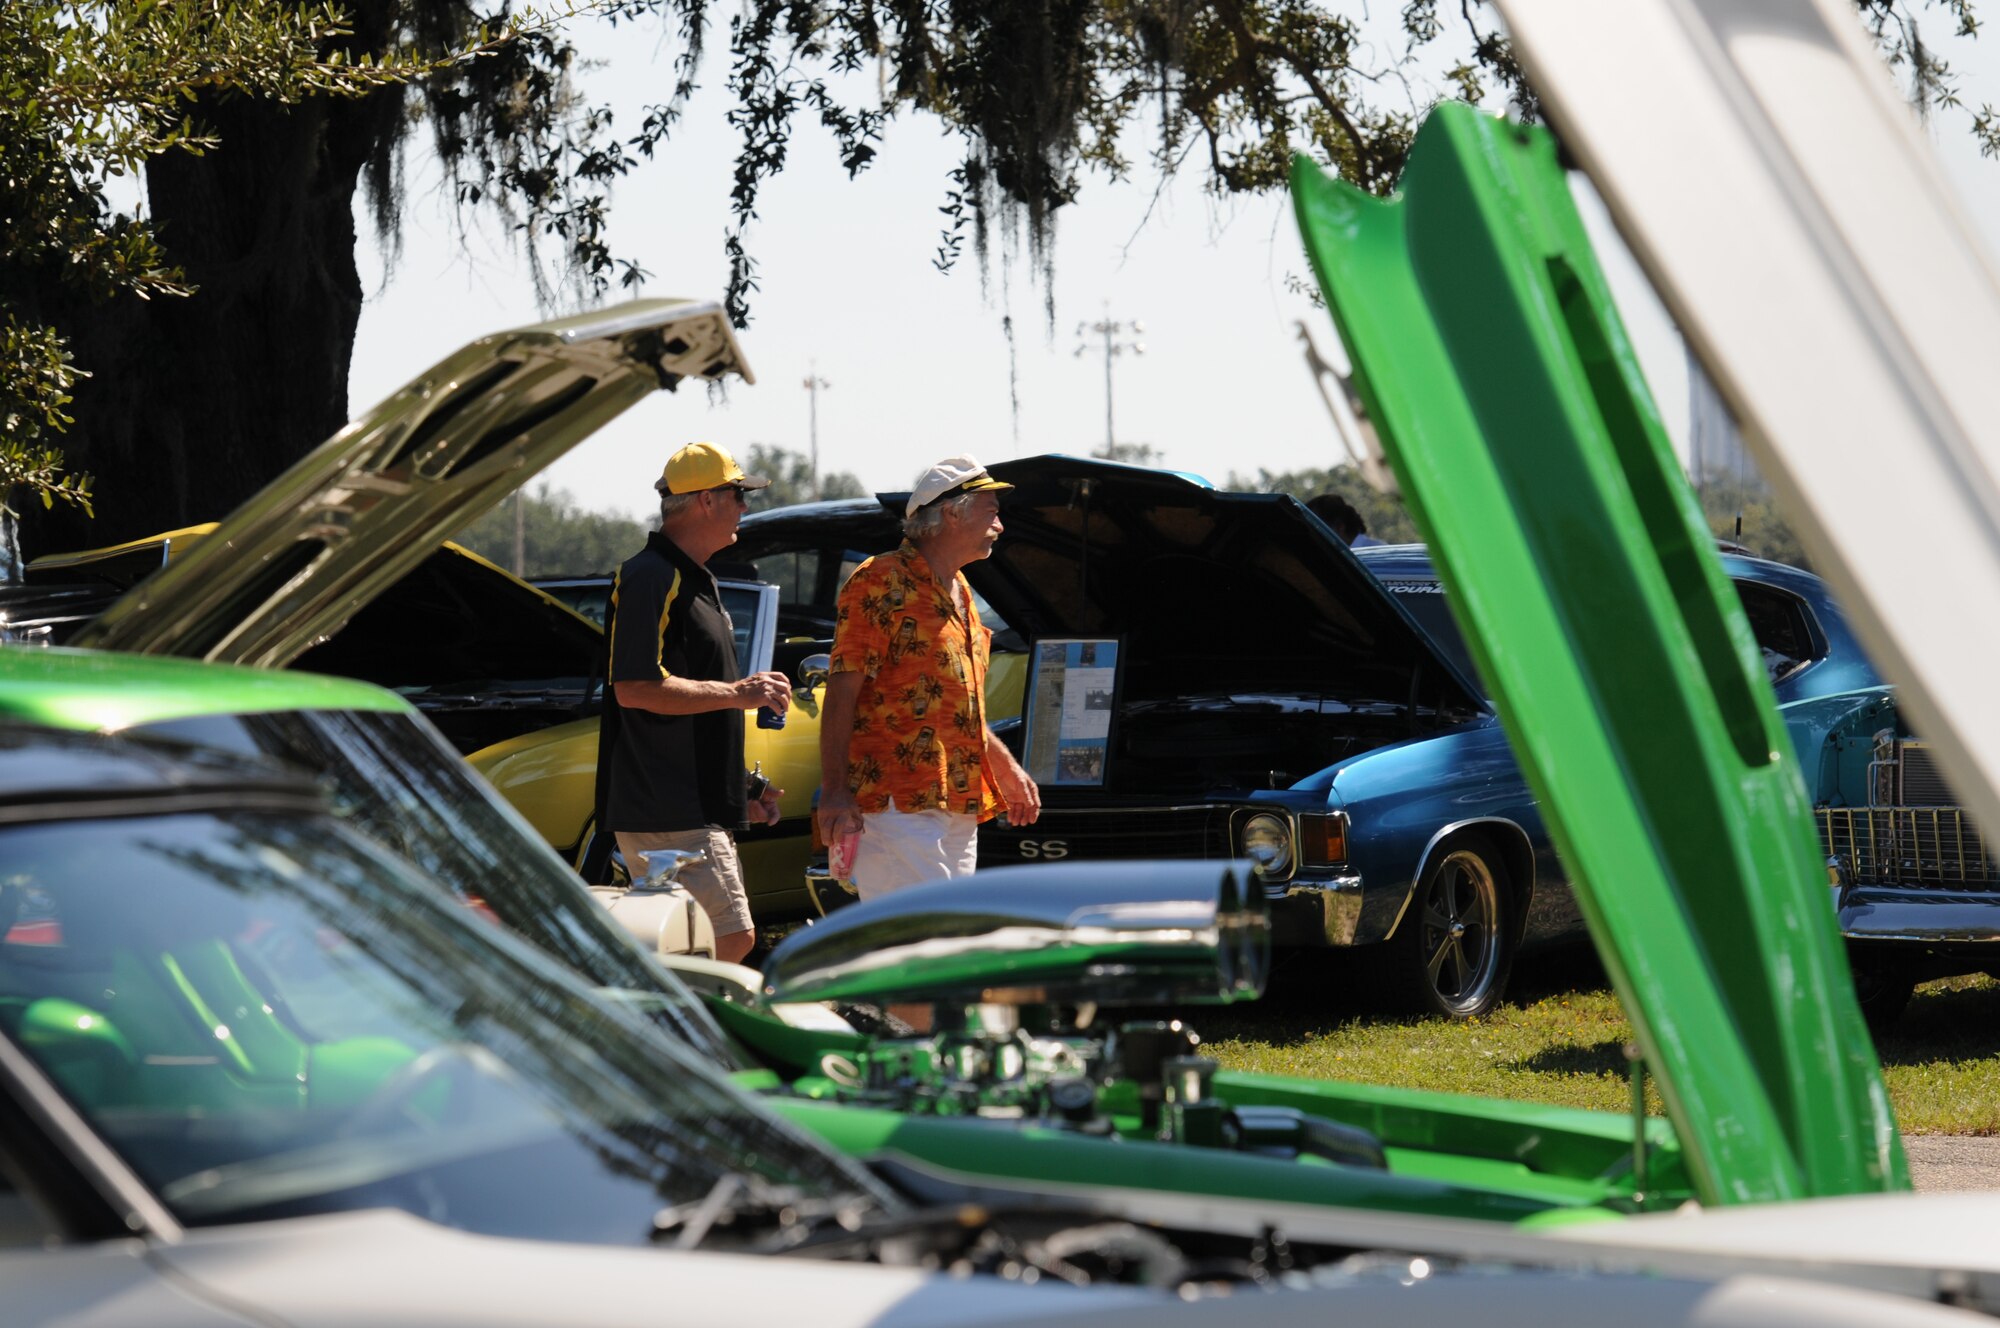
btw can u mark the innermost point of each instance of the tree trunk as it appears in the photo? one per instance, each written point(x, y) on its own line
point(194, 404)
point(10, 545)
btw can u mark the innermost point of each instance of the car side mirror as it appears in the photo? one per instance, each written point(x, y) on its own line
point(813, 671)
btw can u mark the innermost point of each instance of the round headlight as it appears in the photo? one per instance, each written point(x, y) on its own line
point(1267, 841)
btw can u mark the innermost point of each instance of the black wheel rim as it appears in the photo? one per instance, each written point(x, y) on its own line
point(1460, 931)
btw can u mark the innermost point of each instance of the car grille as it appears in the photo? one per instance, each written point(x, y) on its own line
point(1199, 831)
point(1923, 782)
point(1930, 847)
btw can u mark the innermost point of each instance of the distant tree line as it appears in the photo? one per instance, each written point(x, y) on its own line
point(560, 537)
point(1384, 516)
point(1739, 510)
point(1743, 512)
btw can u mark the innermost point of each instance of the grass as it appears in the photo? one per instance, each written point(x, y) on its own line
point(1563, 1041)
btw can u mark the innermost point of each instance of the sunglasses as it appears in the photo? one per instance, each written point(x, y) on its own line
point(742, 494)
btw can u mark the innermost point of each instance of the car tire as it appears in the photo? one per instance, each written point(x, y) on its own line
point(1454, 948)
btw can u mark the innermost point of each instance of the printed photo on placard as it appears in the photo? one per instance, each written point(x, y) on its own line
point(1072, 697)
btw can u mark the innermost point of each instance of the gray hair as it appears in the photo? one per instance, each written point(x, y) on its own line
point(929, 519)
point(673, 504)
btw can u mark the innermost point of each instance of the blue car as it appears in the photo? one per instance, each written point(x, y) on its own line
point(1916, 891)
point(1253, 692)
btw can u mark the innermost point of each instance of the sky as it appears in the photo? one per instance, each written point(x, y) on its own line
point(918, 363)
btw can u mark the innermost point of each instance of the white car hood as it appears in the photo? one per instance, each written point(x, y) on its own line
point(383, 1268)
point(386, 1267)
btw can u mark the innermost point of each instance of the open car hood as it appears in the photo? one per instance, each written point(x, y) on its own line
point(292, 565)
point(1212, 590)
point(1501, 383)
point(455, 617)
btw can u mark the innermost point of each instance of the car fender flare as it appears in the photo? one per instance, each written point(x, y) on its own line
point(1517, 855)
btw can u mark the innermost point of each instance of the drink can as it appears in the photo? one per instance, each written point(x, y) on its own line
point(840, 857)
point(767, 718)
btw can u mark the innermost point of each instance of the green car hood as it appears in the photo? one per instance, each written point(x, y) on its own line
point(1511, 406)
point(291, 566)
point(99, 692)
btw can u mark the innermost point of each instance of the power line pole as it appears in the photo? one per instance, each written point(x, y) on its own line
point(1111, 331)
point(813, 384)
point(520, 531)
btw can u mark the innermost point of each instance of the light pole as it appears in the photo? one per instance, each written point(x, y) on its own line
point(813, 384)
point(1110, 330)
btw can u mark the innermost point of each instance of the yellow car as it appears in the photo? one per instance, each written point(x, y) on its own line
point(485, 656)
point(511, 673)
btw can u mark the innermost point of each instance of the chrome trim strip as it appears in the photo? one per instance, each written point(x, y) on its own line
point(1430, 850)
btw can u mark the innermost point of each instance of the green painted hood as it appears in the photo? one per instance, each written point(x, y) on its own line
point(1512, 409)
point(100, 691)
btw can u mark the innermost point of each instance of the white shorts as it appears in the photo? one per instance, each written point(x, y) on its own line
point(899, 849)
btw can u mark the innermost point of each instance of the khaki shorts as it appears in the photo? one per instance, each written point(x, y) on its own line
point(716, 884)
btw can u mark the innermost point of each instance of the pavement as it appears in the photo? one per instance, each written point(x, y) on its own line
point(1953, 1161)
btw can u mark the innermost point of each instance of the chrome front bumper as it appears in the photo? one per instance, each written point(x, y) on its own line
point(1315, 911)
point(1878, 916)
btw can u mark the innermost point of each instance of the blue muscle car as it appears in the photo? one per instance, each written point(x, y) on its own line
point(1914, 884)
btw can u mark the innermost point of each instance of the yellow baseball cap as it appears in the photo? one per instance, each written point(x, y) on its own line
point(701, 466)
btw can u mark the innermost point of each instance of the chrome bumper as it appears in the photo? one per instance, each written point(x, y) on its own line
point(1873, 916)
point(1315, 911)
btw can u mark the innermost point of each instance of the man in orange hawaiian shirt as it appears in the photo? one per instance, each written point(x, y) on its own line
point(907, 761)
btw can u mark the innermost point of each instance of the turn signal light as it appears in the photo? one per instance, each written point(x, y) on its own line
point(1323, 839)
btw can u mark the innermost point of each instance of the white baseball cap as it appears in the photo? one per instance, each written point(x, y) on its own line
point(953, 475)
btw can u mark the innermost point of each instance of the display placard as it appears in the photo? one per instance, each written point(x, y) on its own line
point(1072, 697)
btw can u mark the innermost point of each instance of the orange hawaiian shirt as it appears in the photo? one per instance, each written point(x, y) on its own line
point(920, 720)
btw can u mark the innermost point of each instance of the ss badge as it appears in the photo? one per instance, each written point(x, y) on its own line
point(1049, 850)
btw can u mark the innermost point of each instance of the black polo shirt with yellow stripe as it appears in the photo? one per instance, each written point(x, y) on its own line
point(670, 772)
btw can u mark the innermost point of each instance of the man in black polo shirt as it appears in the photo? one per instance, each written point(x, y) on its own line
point(672, 745)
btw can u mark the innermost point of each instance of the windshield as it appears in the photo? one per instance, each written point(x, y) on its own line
point(269, 1016)
point(1779, 620)
point(393, 778)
